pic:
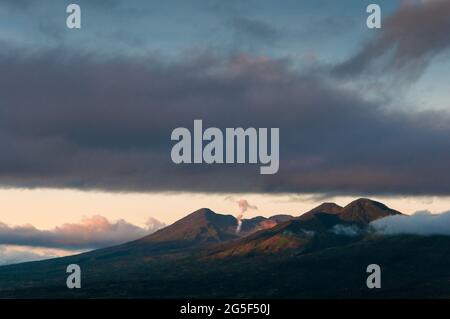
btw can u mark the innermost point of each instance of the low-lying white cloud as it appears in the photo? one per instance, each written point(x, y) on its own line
point(346, 230)
point(92, 232)
point(421, 223)
point(17, 254)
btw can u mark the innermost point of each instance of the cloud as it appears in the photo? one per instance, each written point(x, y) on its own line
point(243, 204)
point(421, 223)
point(255, 30)
point(153, 225)
point(347, 230)
point(76, 121)
point(17, 254)
point(92, 232)
point(407, 42)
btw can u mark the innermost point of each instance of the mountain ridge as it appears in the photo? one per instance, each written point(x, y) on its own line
point(310, 231)
point(201, 252)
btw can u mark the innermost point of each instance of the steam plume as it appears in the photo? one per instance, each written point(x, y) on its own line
point(244, 205)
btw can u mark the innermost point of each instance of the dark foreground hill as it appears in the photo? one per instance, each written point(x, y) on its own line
point(310, 261)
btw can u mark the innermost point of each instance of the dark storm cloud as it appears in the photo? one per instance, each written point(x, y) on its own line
point(407, 42)
point(76, 121)
point(255, 29)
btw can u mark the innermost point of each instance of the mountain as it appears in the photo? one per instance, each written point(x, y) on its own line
point(201, 256)
point(335, 272)
point(280, 218)
point(254, 224)
point(330, 208)
point(312, 231)
point(297, 235)
point(205, 227)
point(201, 226)
point(199, 229)
point(364, 211)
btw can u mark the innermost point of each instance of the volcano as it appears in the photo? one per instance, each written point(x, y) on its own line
point(201, 256)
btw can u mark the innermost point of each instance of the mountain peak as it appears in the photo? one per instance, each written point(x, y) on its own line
point(328, 207)
point(366, 203)
point(200, 226)
point(365, 210)
point(203, 212)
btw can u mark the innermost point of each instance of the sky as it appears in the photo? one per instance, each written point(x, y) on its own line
point(86, 115)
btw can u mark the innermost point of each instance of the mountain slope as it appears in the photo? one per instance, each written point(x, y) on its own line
point(337, 272)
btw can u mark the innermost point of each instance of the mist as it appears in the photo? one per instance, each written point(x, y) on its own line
point(421, 223)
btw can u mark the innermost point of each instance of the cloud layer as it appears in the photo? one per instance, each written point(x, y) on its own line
point(422, 223)
point(92, 232)
point(81, 123)
point(94, 122)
